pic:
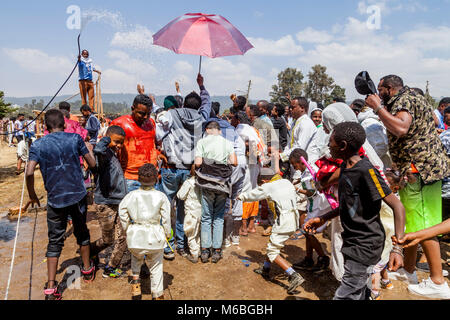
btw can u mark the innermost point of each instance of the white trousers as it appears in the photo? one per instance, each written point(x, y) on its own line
point(154, 259)
point(192, 226)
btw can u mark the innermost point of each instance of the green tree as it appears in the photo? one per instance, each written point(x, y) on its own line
point(338, 92)
point(5, 108)
point(289, 81)
point(319, 84)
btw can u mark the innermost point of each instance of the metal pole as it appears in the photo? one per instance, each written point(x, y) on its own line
point(200, 66)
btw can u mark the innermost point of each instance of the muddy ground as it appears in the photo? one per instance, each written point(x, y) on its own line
point(230, 279)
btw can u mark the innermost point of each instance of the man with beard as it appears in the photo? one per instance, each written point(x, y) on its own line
point(414, 144)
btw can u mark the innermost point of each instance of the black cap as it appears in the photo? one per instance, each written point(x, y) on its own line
point(364, 84)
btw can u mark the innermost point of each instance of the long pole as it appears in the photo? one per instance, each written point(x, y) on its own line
point(200, 66)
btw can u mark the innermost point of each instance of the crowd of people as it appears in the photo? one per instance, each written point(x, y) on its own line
point(375, 173)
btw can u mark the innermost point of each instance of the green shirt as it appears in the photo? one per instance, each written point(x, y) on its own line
point(214, 147)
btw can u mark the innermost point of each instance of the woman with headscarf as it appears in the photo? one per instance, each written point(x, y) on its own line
point(332, 115)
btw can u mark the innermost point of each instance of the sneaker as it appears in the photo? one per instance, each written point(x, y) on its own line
point(136, 293)
point(169, 255)
point(375, 295)
point(88, 275)
point(182, 252)
point(387, 284)
point(206, 253)
point(263, 271)
point(305, 264)
point(429, 289)
point(53, 293)
point(322, 264)
point(217, 255)
point(235, 240)
point(110, 272)
point(295, 280)
point(191, 258)
point(403, 275)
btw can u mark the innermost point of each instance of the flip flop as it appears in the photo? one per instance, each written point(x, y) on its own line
point(297, 235)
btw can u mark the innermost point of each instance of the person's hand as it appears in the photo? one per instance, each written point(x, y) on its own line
point(177, 86)
point(288, 96)
point(200, 80)
point(140, 89)
point(162, 158)
point(395, 262)
point(408, 240)
point(153, 98)
point(79, 58)
point(373, 101)
point(34, 200)
point(312, 225)
point(233, 97)
point(89, 146)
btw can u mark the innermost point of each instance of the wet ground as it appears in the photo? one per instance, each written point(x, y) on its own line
point(230, 279)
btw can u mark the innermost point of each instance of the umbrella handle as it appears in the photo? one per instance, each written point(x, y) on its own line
point(200, 66)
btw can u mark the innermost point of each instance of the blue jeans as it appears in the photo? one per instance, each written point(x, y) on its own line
point(132, 185)
point(171, 181)
point(213, 209)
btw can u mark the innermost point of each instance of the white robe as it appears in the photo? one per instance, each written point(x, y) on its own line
point(145, 217)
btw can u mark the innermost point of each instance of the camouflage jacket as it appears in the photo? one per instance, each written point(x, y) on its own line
point(421, 145)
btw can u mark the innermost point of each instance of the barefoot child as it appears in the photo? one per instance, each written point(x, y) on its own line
point(145, 217)
point(111, 188)
point(58, 157)
point(282, 193)
point(317, 205)
point(191, 195)
point(361, 191)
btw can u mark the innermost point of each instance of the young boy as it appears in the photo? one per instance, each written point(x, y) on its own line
point(58, 157)
point(361, 190)
point(317, 205)
point(22, 151)
point(191, 195)
point(286, 221)
point(111, 188)
point(214, 155)
point(145, 217)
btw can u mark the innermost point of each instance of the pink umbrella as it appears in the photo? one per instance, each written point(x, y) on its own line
point(201, 34)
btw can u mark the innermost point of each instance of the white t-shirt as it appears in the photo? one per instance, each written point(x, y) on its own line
point(18, 125)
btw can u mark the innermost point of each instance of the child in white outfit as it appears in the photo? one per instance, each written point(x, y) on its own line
point(145, 217)
point(282, 193)
point(191, 195)
point(317, 205)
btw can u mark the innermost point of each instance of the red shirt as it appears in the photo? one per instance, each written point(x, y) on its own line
point(139, 146)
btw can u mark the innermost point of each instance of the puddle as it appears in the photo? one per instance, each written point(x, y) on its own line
point(8, 227)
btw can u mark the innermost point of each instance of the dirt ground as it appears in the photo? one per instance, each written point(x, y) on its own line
point(230, 279)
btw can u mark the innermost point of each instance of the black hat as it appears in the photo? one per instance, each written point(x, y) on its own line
point(364, 85)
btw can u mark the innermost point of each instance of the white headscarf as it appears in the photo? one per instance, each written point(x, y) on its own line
point(339, 112)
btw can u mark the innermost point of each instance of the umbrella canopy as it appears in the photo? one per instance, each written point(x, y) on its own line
point(201, 34)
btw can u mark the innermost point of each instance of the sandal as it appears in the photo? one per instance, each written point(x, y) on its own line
point(299, 234)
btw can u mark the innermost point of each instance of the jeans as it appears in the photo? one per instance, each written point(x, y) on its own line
point(171, 181)
point(133, 185)
point(213, 209)
point(356, 283)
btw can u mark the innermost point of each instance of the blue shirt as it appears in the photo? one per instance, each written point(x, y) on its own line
point(58, 155)
point(440, 118)
point(85, 69)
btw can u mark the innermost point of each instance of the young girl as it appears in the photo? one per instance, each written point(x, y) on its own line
point(145, 217)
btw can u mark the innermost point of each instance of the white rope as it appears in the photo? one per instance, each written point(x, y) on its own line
point(72, 97)
point(17, 233)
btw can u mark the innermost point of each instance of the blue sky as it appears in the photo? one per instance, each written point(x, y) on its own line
point(37, 50)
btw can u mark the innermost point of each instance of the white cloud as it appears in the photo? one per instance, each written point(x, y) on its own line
point(310, 35)
point(183, 67)
point(285, 46)
point(134, 66)
point(141, 38)
point(37, 61)
point(389, 6)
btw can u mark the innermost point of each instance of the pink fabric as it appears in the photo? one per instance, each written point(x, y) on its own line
point(202, 34)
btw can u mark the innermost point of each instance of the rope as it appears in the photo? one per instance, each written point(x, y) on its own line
point(51, 100)
point(17, 234)
point(76, 94)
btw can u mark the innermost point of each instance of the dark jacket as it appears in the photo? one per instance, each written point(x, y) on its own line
point(214, 176)
point(281, 129)
point(111, 186)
